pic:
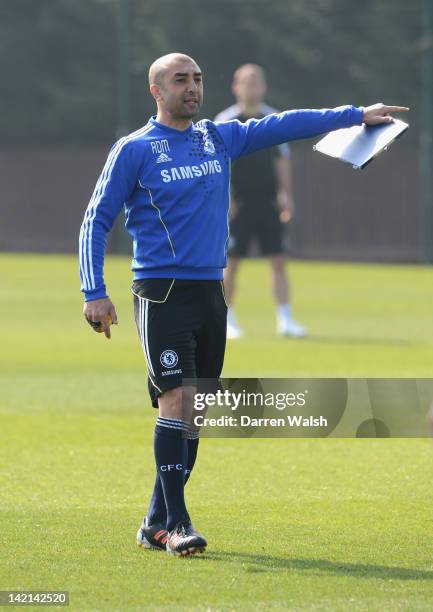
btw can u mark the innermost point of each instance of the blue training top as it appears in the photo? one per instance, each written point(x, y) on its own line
point(174, 185)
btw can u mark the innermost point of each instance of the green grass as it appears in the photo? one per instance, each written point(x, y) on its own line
point(292, 524)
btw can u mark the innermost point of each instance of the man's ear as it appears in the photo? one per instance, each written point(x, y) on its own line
point(156, 92)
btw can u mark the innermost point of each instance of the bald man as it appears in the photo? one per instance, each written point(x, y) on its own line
point(172, 177)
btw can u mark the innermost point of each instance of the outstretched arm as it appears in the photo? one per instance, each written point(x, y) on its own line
point(244, 138)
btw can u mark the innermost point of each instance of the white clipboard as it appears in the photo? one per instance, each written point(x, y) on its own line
point(360, 144)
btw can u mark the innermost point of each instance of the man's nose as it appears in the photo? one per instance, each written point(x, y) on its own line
point(193, 85)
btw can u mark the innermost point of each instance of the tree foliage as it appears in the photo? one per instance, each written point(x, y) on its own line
point(58, 57)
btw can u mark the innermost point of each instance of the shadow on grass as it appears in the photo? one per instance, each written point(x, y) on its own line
point(267, 563)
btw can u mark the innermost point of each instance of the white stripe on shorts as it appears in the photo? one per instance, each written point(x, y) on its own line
point(143, 307)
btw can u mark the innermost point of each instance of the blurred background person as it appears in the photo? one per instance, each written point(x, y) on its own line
point(261, 204)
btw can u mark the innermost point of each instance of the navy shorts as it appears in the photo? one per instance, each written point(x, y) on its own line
point(259, 220)
point(182, 328)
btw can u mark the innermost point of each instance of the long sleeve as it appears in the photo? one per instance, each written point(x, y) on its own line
point(114, 187)
point(254, 134)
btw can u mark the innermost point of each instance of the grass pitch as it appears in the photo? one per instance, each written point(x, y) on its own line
point(292, 524)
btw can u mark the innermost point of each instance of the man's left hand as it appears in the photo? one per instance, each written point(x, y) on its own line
point(380, 113)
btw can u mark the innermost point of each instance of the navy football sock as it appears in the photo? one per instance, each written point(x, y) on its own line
point(157, 512)
point(192, 440)
point(170, 448)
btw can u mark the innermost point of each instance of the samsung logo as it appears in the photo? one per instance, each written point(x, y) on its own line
point(189, 172)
